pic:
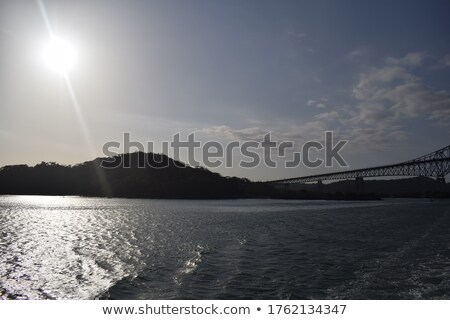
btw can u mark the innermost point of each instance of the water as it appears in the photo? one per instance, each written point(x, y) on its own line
point(92, 248)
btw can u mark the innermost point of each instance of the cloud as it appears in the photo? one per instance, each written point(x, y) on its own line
point(298, 35)
point(370, 113)
point(377, 137)
point(411, 59)
point(383, 99)
point(246, 134)
point(402, 93)
point(310, 130)
point(416, 99)
point(357, 53)
point(319, 104)
point(375, 82)
point(446, 60)
point(327, 116)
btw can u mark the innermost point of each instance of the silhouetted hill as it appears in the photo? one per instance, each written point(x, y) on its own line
point(148, 175)
point(141, 176)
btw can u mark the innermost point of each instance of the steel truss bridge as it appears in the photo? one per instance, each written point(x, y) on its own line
point(435, 164)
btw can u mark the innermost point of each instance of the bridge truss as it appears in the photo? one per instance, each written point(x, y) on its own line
point(435, 164)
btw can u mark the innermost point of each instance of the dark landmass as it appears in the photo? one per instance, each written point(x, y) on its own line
point(148, 175)
point(414, 187)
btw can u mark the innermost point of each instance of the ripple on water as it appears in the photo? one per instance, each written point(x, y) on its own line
point(86, 248)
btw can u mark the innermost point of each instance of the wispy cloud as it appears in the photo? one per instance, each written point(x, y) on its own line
point(446, 60)
point(245, 134)
point(319, 104)
point(297, 35)
point(411, 59)
point(381, 100)
point(282, 132)
point(357, 53)
point(402, 93)
point(328, 116)
point(384, 98)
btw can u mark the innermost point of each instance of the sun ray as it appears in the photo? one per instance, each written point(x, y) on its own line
point(61, 46)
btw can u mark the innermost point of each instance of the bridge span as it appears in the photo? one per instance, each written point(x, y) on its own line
point(435, 164)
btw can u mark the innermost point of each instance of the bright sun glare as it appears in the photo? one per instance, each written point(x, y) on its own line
point(60, 55)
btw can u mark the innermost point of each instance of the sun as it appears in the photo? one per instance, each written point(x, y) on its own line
point(60, 55)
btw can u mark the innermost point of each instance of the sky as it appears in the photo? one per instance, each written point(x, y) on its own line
point(376, 73)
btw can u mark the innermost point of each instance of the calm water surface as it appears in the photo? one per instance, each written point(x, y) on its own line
point(91, 248)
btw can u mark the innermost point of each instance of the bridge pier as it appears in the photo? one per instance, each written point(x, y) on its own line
point(359, 181)
point(319, 185)
point(441, 183)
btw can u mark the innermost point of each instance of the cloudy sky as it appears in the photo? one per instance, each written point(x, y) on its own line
point(377, 73)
